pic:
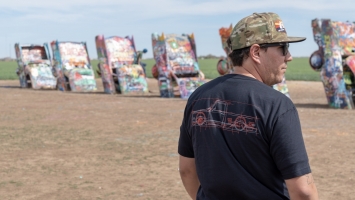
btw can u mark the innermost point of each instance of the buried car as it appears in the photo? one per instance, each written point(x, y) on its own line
point(225, 65)
point(335, 60)
point(72, 67)
point(120, 67)
point(34, 66)
point(176, 67)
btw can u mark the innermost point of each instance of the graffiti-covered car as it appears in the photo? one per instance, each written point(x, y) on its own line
point(119, 67)
point(225, 65)
point(335, 60)
point(34, 66)
point(72, 67)
point(176, 67)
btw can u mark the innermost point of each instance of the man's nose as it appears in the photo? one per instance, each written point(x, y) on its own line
point(288, 57)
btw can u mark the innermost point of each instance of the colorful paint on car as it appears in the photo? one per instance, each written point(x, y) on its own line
point(34, 66)
point(72, 67)
point(224, 64)
point(176, 67)
point(119, 65)
point(335, 59)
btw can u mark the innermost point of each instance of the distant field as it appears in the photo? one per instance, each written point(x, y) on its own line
point(8, 70)
point(298, 69)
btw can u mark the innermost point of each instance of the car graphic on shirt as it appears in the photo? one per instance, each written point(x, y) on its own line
point(217, 115)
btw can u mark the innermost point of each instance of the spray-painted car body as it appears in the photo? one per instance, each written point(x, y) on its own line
point(335, 59)
point(119, 65)
point(72, 67)
point(34, 66)
point(176, 67)
point(225, 66)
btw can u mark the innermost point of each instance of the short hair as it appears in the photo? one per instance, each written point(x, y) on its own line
point(237, 56)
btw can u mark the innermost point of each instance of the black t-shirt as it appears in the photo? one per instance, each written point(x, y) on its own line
point(245, 137)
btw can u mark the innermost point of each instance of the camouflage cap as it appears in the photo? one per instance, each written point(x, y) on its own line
point(259, 28)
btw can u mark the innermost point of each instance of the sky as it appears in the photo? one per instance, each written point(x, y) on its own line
point(40, 21)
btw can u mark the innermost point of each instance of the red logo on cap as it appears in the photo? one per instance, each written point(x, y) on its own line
point(280, 26)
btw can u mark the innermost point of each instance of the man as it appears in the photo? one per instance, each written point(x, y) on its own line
point(240, 138)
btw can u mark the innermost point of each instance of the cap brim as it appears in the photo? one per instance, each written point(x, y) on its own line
point(295, 39)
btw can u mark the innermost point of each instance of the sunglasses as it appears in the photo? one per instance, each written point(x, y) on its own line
point(284, 46)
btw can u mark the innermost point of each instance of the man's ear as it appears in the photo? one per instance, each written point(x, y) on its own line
point(254, 53)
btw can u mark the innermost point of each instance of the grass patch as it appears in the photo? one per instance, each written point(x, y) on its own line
point(3, 184)
point(298, 69)
point(17, 184)
point(8, 70)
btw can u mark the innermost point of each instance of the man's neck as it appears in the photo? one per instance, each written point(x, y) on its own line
point(242, 71)
point(249, 68)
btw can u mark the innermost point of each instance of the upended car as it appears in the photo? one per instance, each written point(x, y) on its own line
point(72, 67)
point(34, 66)
point(119, 65)
point(335, 60)
point(176, 66)
point(224, 64)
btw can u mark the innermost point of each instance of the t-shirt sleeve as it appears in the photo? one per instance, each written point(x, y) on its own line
point(287, 146)
point(185, 147)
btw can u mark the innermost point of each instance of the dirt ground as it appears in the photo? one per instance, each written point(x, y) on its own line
point(62, 145)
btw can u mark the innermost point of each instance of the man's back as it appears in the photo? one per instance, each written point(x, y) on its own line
point(245, 138)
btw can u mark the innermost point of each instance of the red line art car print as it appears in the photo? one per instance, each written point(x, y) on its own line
point(217, 115)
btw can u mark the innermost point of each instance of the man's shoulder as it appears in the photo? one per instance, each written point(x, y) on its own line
point(229, 80)
point(242, 88)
